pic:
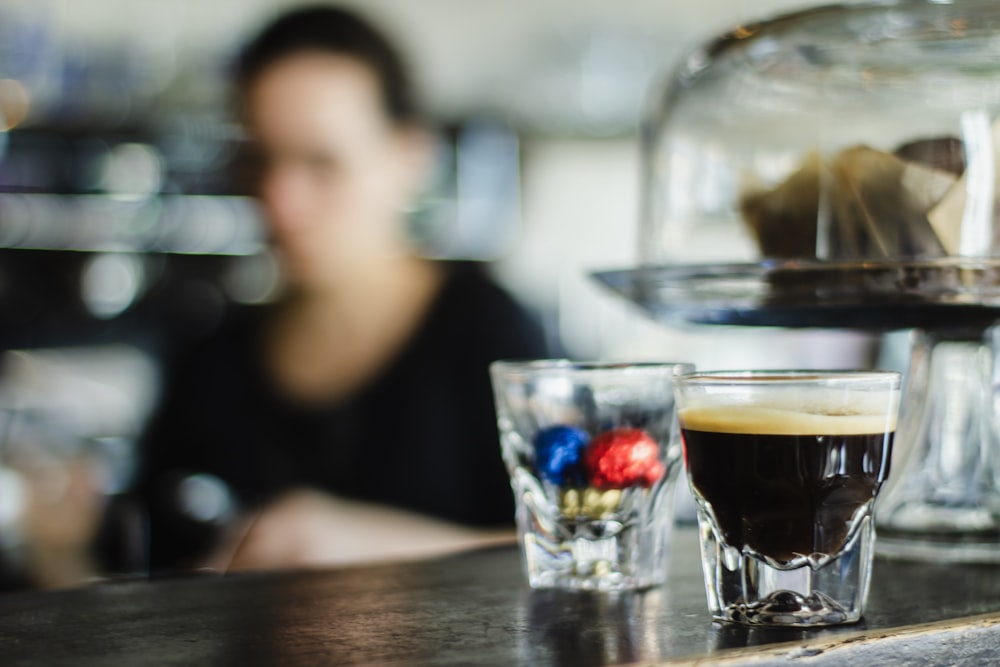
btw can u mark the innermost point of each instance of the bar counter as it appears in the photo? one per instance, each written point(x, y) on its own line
point(475, 609)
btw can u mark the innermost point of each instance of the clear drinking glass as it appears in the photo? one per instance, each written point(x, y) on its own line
point(785, 467)
point(593, 454)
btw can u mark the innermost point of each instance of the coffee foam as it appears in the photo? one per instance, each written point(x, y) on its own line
point(771, 420)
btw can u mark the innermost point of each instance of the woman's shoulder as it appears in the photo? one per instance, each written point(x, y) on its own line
point(472, 304)
point(470, 284)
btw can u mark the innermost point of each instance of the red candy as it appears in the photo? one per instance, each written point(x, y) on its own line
point(623, 457)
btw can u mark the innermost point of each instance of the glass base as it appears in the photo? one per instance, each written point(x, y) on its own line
point(788, 608)
point(630, 558)
point(743, 587)
point(626, 549)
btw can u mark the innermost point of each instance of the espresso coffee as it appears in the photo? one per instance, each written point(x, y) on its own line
point(785, 484)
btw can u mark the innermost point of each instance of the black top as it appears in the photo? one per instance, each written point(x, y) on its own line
point(421, 435)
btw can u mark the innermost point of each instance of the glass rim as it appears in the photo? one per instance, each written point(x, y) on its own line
point(777, 377)
point(569, 366)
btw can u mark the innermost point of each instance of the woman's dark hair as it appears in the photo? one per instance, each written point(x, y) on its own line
point(339, 32)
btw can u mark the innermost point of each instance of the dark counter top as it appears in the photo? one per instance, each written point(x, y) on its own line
point(475, 609)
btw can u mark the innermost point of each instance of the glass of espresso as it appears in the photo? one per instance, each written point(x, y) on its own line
point(785, 467)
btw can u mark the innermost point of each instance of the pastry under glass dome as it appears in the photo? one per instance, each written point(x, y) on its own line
point(840, 167)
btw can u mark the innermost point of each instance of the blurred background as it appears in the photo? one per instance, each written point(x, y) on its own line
point(123, 230)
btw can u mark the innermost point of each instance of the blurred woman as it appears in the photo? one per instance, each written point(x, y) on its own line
point(352, 419)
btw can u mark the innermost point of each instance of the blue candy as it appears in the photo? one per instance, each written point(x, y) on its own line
point(559, 453)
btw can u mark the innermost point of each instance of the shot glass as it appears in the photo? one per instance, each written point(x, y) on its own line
point(594, 454)
point(785, 467)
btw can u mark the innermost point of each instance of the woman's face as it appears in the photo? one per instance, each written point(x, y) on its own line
point(336, 172)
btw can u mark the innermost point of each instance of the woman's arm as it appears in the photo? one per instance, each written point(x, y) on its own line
point(306, 528)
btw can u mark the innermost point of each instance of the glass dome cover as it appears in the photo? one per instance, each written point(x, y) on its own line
point(835, 166)
point(840, 167)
